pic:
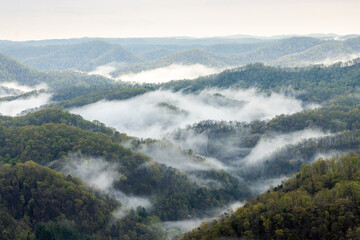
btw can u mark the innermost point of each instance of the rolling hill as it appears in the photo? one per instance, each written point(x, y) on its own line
point(11, 70)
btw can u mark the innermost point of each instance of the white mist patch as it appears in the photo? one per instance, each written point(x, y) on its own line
point(172, 72)
point(330, 154)
point(188, 225)
point(173, 156)
point(94, 171)
point(14, 107)
point(131, 201)
point(142, 116)
point(342, 58)
point(193, 140)
point(15, 88)
point(264, 185)
point(268, 146)
point(101, 175)
point(7, 92)
point(104, 70)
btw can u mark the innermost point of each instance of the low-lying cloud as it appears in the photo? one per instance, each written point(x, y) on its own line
point(102, 175)
point(157, 113)
point(14, 88)
point(341, 58)
point(261, 186)
point(104, 70)
point(172, 72)
point(173, 156)
point(266, 147)
point(330, 154)
point(15, 107)
point(188, 225)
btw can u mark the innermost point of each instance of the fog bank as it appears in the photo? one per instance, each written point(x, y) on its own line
point(166, 74)
point(14, 107)
point(14, 88)
point(157, 113)
point(188, 225)
point(173, 156)
point(271, 144)
point(104, 70)
point(101, 175)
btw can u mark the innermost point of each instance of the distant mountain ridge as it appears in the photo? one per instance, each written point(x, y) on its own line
point(136, 55)
point(11, 70)
point(83, 57)
point(327, 52)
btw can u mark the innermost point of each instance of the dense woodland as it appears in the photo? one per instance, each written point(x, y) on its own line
point(317, 83)
point(319, 202)
point(40, 203)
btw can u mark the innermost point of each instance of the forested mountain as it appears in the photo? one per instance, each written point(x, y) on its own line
point(319, 202)
point(46, 135)
point(317, 83)
point(81, 95)
point(327, 53)
point(33, 196)
point(39, 203)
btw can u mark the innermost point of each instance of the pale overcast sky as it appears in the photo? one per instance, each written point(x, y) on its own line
point(45, 19)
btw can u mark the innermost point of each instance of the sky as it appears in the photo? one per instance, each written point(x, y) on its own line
point(49, 19)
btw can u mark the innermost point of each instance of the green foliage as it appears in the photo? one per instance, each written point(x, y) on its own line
point(52, 134)
point(333, 118)
point(39, 203)
point(32, 194)
point(311, 84)
point(82, 95)
point(320, 202)
point(56, 231)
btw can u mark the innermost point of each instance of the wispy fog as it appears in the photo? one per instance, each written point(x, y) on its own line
point(104, 70)
point(14, 107)
point(172, 72)
point(330, 154)
point(173, 156)
point(188, 225)
point(271, 144)
point(157, 113)
point(264, 185)
point(14, 88)
point(101, 175)
point(342, 58)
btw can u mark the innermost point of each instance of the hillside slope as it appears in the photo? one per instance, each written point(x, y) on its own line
point(11, 70)
point(320, 202)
